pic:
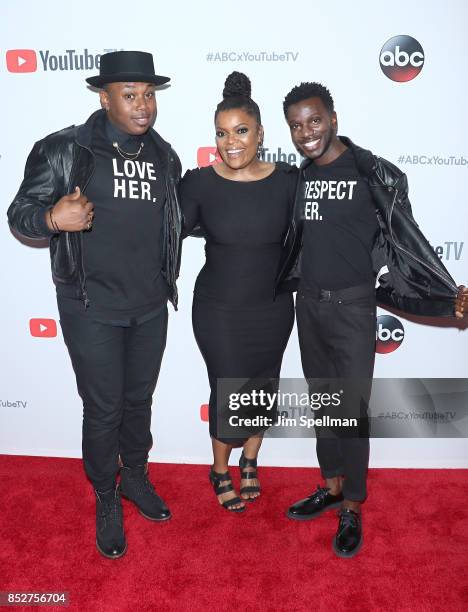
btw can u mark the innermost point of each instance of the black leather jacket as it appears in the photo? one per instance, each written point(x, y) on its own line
point(54, 167)
point(410, 276)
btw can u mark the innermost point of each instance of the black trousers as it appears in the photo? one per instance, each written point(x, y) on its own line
point(337, 340)
point(116, 372)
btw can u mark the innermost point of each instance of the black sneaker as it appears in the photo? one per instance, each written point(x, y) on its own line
point(137, 488)
point(110, 535)
point(313, 506)
point(348, 539)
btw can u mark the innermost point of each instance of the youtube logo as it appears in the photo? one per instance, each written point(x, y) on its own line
point(43, 328)
point(204, 412)
point(207, 156)
point(21, 60)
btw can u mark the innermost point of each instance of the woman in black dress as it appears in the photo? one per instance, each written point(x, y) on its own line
point(242, 206)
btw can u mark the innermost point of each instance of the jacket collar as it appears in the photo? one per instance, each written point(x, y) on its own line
point(365, 160)
point(85, 133)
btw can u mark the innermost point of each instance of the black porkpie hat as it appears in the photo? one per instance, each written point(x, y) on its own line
point(126, 67)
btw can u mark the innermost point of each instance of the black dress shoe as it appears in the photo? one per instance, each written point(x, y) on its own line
point(137, 488)
point(110, 535)
point(315, 505)
point(348, 539)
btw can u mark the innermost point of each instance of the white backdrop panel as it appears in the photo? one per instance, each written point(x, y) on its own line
point(336, 43)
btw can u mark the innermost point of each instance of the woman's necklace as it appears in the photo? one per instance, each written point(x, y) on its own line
point(125, 154)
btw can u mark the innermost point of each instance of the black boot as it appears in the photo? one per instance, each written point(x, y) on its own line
point(110, 535)
point(137, 488)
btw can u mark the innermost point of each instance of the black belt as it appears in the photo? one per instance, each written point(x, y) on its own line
point(338, 295)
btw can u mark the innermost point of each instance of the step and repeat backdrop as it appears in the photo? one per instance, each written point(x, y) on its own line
point(396, 72)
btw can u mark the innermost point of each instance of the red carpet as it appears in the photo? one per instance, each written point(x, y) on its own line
point(414, 558)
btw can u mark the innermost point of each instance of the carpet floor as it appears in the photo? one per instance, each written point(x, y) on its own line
point(414, 557)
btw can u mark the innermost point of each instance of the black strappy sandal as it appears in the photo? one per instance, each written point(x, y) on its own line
point(247, 463)
point(216, 480)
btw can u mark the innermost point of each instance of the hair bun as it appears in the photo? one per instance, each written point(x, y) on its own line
point(237, 84)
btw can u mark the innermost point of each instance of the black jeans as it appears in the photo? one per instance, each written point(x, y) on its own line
point(116, 372)
point(337, 340)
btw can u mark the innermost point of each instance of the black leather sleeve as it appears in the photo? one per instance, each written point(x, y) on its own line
point(190, 204)
point(403, 199)
point(36, 195)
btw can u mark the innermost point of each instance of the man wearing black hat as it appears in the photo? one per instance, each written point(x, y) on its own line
point(105, 194)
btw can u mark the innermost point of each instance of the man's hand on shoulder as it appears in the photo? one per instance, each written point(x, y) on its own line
point(72, 213)
point(461, 302)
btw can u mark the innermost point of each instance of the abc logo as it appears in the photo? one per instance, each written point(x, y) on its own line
point(389, 334)
point(401, 58)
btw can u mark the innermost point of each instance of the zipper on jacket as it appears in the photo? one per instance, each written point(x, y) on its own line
point(424, 264)
point(84, 293)
point(170, 186)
